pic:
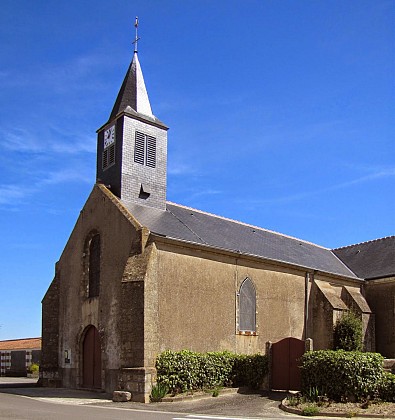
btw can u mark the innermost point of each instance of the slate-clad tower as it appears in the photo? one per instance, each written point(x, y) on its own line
point(132, 145)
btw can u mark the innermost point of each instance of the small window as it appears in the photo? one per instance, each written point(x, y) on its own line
point(92, 255)
point(145, 150)
point(247, 307)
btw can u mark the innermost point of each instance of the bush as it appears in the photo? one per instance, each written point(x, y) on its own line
point(387, 387)
point(188, 371)
point(250, 370)
point(34, 368)
point(347, 334)
point(342, 375)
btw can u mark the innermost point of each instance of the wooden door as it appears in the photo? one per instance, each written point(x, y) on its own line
point(285, 364)
point(92, 359)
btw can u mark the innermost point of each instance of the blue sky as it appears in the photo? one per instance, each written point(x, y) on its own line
point(281, 114)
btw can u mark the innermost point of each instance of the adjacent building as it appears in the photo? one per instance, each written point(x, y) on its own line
point(16, 356)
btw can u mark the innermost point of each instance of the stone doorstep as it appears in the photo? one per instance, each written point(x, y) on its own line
point(200, 395)
point(293, 410)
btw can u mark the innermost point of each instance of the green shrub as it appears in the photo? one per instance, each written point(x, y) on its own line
point(342, 375)
point(347, 333)
point(250, 370)
point(188, 371)
point(387, 387)
point(34, 368)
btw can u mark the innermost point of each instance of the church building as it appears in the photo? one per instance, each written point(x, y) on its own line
point(140, 275)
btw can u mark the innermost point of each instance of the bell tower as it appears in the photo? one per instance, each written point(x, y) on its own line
point(132, 145)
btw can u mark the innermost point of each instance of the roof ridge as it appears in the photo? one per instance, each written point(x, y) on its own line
point(365, 242)
point(248, 225)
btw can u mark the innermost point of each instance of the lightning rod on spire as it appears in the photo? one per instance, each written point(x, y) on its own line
point(136, 24)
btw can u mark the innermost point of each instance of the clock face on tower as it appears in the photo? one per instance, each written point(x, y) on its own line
point(109, 136)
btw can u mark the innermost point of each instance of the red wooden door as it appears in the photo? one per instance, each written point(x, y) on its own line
point(285, 360)
point(92, 359)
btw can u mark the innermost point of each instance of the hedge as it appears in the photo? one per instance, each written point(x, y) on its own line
point(343, 375)
point(190, 371)
point(387, 387)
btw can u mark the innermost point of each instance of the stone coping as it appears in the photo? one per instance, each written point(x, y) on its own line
point(200, 395)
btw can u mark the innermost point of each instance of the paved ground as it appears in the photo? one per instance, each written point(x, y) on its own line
point(251, 405)
point(234, 405)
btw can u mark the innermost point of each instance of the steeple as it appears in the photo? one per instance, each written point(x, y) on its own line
point(133, 93)
point(132, 145)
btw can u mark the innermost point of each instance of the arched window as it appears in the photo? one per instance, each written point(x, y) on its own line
point(247, 307)
point(92, 255)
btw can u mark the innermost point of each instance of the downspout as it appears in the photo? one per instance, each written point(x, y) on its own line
point(308, 278)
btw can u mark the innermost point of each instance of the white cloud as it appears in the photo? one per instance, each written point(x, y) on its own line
point(52, 140)
point(11, 194)
point(378, 174)
point(179, 169)
point(64, 176)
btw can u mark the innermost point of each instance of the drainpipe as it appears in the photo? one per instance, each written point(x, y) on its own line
point(307, 279)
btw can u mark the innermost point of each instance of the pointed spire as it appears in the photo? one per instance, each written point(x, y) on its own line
point(133, 92)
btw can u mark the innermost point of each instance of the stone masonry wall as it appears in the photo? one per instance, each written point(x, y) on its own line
point(49, 368)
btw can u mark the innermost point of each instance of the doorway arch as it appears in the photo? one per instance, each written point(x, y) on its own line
point(91, 359)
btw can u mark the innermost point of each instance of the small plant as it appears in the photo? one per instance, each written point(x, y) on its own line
point(310, 410)
point(158, 392)
point(293, 401)
point(312, 394)
point(34, 368)
point(215, 392)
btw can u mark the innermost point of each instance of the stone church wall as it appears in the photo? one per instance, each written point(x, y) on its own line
point(106, 312)
point(197, 303)
point(50, 335)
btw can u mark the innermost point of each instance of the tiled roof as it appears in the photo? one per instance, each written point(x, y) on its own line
point(190, 225)
point(370, 260)
point(21, 344)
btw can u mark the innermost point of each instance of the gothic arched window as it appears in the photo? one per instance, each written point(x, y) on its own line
point(247, 307)
point(92, 255)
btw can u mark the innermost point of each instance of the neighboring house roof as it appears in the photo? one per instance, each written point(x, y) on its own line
point(370, 260)
point(21, 344)
point(190, 225)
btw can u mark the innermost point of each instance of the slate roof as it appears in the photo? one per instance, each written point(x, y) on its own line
point(21, 344)
point(133, 97)
point(190, 225)
point(370, 260)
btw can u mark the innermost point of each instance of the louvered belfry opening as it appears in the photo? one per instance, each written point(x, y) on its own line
point(145, 150)
point(108, 156)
